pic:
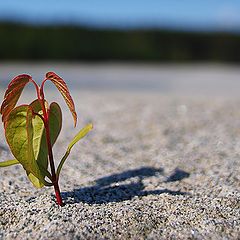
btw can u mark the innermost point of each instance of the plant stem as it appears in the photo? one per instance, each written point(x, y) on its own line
point(50, 153)
point(53, 171)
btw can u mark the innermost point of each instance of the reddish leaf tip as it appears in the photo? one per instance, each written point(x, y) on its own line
point(63, 89)
point(12, 94)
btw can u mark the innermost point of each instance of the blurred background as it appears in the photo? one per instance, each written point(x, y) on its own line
point(156, 45)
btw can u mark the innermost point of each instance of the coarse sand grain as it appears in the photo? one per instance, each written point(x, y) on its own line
point(154, 167)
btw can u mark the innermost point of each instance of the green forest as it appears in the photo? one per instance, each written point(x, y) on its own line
point(30, 42)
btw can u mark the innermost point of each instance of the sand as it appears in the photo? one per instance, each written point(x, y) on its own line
point(155, 167)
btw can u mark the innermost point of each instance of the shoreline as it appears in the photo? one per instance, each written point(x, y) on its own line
point(180, 79)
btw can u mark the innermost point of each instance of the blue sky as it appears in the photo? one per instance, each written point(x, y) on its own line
point(183, 14)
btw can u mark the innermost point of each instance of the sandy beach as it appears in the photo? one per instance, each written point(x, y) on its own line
point(156, 166)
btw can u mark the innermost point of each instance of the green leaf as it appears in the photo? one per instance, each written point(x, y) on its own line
point(37, 183)
point(82, 133)
point(55, 121)
point(63, 89)
point(34, 180)
point(19, 135)
point(39, 137)
point(55, 124)
point(9, 163)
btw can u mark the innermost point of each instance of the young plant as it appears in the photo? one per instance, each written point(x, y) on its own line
point(31, 130)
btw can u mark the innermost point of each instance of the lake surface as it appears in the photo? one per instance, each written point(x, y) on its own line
point(187, 79)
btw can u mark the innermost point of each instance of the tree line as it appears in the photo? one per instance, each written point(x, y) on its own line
point(30, 42)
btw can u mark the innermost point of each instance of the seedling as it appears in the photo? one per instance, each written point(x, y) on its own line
point(31, 130)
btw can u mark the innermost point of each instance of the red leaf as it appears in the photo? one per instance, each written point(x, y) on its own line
point(13, 93)
point(63, 89)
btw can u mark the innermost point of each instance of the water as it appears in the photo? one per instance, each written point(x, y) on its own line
point(193, 79)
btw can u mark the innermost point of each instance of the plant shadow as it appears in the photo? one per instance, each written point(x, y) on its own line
point(113, 188)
